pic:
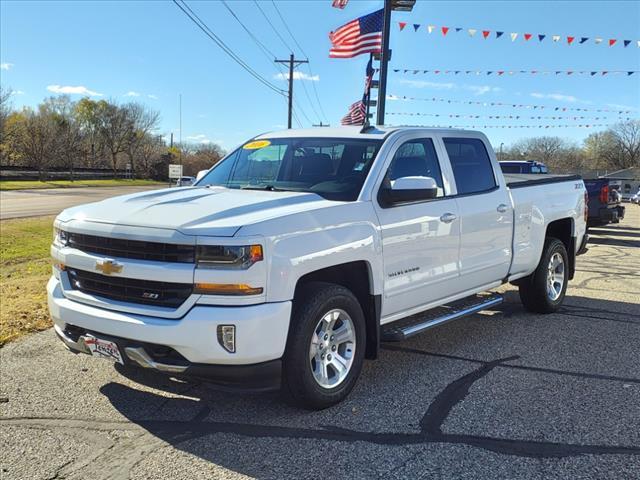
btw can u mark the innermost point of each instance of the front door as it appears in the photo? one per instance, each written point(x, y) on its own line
point(420, 240)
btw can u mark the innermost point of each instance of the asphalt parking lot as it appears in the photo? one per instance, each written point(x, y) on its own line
point(502, 394)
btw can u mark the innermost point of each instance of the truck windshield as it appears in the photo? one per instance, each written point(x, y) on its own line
point(334, 168)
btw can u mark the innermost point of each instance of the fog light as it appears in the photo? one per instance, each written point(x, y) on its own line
point(227, 337)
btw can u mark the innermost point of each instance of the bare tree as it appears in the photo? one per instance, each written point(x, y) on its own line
point(33, 139)
point(144, 120)
point(627, 136)
point(114, 128)
point(5, 111)
point(68, 136)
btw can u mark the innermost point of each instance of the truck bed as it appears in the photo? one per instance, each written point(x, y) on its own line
point(520, 180)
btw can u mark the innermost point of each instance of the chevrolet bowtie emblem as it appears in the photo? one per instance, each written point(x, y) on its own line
point(108, 266)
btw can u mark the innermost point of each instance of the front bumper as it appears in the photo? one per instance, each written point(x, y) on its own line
point(265, 376)
point(261, 336)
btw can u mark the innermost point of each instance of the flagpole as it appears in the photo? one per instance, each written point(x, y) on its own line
point(384, 60)
point(368, 95)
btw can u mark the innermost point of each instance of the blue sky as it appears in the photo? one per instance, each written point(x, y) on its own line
point(150, 52)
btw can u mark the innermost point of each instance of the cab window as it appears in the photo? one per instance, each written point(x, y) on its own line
point(471, 165)
point(416, 158)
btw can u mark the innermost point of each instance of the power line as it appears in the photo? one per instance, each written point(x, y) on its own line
point(261, 45)
point(315, 90)
point(225, 48)
point(272, 27)
point(287, 27)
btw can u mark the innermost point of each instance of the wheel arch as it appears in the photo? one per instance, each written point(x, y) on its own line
point(356, 276)
point(563, 229)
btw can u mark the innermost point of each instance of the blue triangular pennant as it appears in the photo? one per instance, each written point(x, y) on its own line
point(541, 37)
point(416, 26)
point(499, 34)
point(584, 39)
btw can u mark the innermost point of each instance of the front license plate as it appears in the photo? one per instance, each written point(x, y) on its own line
point(103, 348)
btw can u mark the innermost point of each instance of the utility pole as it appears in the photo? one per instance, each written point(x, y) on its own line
point(293, 63)
point(385, 53)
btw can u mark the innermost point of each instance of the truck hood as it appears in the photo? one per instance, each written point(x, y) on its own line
point(211, 211)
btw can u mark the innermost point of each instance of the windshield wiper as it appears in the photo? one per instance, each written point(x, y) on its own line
point(269, 188)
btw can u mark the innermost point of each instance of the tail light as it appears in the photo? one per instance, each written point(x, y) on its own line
point(604, 194)
point(586, 206)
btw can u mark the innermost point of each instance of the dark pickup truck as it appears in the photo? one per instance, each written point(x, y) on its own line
point(604, 202)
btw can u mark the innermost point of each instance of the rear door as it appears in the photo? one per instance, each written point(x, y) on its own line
point(485, 211)
point(420, 249)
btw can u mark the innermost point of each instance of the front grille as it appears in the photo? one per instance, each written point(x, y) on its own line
point(161, 294)
point(118, 247)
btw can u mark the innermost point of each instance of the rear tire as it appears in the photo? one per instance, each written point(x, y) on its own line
point(326, 346)
point(544, 290)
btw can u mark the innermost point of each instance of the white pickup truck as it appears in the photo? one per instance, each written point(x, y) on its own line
point(290, 260)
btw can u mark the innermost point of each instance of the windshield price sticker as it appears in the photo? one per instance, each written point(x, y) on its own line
point(256, 145)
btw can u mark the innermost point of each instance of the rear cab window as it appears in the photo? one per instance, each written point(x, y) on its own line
point(471, 165)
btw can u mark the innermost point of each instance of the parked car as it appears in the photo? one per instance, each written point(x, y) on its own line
point(185, 181)
point(604, 202)
point(291, 259)
point(523, 166)
point(636, 198)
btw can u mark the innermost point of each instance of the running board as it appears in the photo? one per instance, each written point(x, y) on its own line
point(418, 323)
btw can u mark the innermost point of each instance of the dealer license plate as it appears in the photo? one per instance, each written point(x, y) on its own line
point(103, 348)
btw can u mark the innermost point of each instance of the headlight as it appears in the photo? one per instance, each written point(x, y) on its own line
point(228, 257)
point(60, 237)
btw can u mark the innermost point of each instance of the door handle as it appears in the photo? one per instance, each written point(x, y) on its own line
point(447, 217)
point(502, 208)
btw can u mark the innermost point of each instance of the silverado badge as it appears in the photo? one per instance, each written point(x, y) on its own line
point(108, 266)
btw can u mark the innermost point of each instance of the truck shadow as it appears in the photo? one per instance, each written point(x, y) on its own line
point(613, 240)
point(240, 431)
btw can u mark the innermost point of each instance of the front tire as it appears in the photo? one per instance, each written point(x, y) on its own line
point(326, 346)
point(544, 290)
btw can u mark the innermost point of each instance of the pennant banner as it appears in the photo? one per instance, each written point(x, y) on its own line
point(502, 117)
point(483, 127)
point(555, 108)
point(486, 34)
point(499, 73)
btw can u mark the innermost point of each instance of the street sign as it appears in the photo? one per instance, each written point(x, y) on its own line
point(175, 171)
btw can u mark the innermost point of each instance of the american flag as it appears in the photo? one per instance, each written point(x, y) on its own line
point(356, 114)
point(362, 35)
point(368, 78)
point(339, 4)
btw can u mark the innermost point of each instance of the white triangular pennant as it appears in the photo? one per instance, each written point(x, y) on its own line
point(472, 31)
point(430, 28)
point(598, 40)
point(514, 36)
point(556, 38)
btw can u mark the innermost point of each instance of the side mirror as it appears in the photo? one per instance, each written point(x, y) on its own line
point(201, 174)
point(407, 190)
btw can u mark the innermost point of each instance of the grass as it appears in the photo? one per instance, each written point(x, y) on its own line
point(36, 184)
point(25, 267)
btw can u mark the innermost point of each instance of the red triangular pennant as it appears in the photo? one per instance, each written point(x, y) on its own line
point(402, 25)
point(570, 39)
point(445, 30)
point(527, 36)
point(485, 33)
point(612, 41)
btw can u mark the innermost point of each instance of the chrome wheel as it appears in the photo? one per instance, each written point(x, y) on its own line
point(555, 277)
point(332, 348)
